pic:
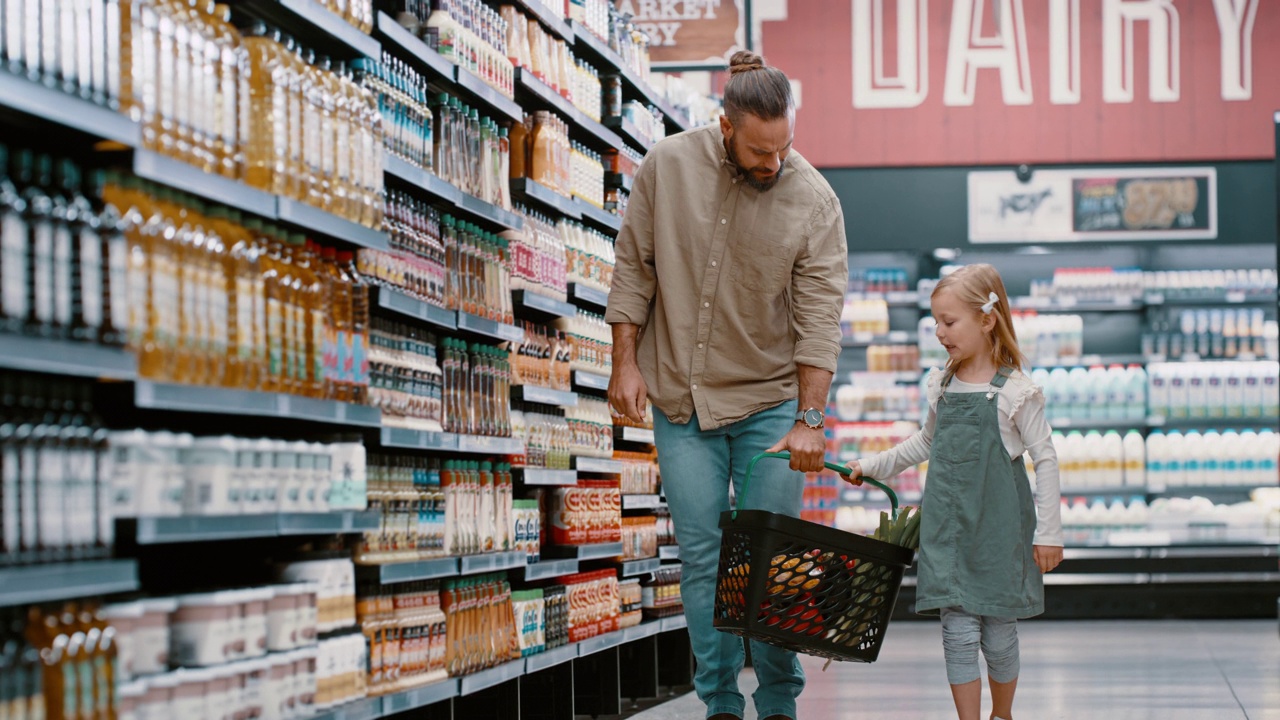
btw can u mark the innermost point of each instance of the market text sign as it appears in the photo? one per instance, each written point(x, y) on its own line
point(689, 32)
point(1011, 81)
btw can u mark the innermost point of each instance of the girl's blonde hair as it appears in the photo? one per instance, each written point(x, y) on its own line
point(973, 285)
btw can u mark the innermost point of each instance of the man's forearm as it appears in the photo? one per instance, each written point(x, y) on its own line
point(815, 384)
point(624, 344)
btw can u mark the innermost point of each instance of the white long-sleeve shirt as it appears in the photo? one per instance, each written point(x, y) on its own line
point(1023, 429)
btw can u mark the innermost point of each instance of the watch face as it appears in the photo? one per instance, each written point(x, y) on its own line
point(813, 417)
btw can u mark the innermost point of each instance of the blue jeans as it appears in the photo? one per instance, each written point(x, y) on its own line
point(696, 468)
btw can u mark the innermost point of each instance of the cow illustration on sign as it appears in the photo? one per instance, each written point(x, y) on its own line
point(1027, 203)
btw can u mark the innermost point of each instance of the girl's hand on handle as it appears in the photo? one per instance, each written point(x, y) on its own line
point(853, 474)
point(1047, 556)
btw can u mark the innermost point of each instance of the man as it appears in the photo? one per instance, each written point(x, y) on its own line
point(725, 310)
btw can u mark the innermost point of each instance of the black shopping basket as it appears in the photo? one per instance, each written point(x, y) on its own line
point(803, 586)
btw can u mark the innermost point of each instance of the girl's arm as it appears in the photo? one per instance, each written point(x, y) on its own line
point(912, 451)
point(1037, 438)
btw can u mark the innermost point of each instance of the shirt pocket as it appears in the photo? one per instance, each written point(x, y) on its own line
point(763, 267)
point(963, 435)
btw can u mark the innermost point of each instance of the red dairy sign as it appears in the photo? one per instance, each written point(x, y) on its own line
point(972, 82)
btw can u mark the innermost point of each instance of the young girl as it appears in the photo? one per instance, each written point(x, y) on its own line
point(982, 550)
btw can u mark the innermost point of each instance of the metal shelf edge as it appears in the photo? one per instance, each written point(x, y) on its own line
point(418, 570)
point(420, 696)
point(334, 26)
point(544, 476)
point(45, 103)
point(550, 569)
point(188, 178)
point(313, 218)
point(60, 357)
point(399, 302)
point(60, 581)
point(486, 679)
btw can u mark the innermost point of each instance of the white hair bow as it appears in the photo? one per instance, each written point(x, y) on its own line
point(992, 299)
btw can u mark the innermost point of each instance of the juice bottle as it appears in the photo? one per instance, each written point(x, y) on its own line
point(13, 250)
point(312, 141)
point(232, 59)
point(296, 85)
point(188, 244)
point(275, 310)
point(266, 141)
point(220, 278)
point(293, 342)
point(315, 310)
point(340, 179)
point(359, 375)
point(327, 93)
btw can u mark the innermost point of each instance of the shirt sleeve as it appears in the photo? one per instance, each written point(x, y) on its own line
point(818, 281)
point(912, 451)
point(1037, 437)
point(635, 278)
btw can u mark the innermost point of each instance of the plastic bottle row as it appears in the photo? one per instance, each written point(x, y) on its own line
point(550, 59)
point(547, 438)
point(866, 395)
point(539, 258)
point(467, 33)
point(592, 342)
point(432, 508)
point(447, 262)
point(862, 317)
point(429, 386)
point(1088, 521)
point(541, 358)
point(1212, 334)
point(1214, 390)
point(867, 281)
point(542, 152)
point(592, 427)
point(1224, 458)
point(1107, 284)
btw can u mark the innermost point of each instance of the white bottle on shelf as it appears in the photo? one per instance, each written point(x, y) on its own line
point(1233, 391)
point(1193, 459)
point(1135, 460)
point(1093, 451)
point(1211, 462)
point(1097, 395)
point(1270, 388)
point(1179, 394)
point(1057, 399)
point(1158, 389)
point(1250, 454)
point(1117, 393)
point(1112, 460)
point(1078, 393)
point(1175, 469)
point(1229, 464)
point(1269, 472)
point(1136, 393)
point(1197, 384)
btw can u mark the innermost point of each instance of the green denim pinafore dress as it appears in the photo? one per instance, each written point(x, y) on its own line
point(979, 518)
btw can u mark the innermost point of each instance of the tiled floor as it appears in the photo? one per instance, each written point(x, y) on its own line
point(1114, 670)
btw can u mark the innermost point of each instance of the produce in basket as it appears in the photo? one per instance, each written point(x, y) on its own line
point(904, 531)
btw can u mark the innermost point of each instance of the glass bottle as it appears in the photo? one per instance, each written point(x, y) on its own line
point(14, 247)
point(84, 275)
point(35, 178)
point(110, 226)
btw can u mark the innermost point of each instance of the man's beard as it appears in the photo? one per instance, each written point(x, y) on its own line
point(750, 176)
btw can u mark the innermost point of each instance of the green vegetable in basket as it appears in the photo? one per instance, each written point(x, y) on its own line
point(904, 530)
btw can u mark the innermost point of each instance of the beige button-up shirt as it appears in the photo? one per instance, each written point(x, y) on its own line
point(731, 287)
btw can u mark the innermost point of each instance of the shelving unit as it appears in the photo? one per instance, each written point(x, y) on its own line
point(186, 406)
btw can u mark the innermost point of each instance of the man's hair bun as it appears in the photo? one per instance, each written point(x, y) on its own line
point(745, 61)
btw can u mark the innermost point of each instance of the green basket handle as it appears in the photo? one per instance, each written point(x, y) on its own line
point(839, 469)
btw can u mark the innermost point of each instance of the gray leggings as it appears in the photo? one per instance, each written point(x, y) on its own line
point(963, 633)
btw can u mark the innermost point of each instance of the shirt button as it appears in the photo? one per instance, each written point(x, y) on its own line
point(713, 263)
point(723, 221)
point(699, 346)
point(695, 386)
point(706, 304)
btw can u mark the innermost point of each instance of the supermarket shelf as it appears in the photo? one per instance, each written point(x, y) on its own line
point(1094, 424)
point(403, 304)
point(490, 212)
point(620, 181)
point(585, 296)
point(162, 530)
point(1071, 305)
point(550, 569)
point(530, 191)
point(492, 562)
point(415, 570)
point(628, 131)
point(1234, 297)
point(602, 220)
point(404, 438)
point(411, 47)
point(315, 25)
point(632, 568)
point(314, 219)
point(34, 99)
point(1109, 491)
point(488, 328)
point(432, 184)
point(875, 498)
point(546, 396)
point(61, 581)
point(363, 709)
point(550, 658)
point(640, 502)
point(543, 476)
point(1088, 360)
point(228, 401)
point(62, 357)
point(600, 643)
point(190, 179)
point(596, 551)
point(483, 445)
point(641, 631)
point(486, 679)
point(896, 337)
point(669, 552)
point(487, 94)
point(598, 465)
point(549, 20)
point(633, 435)
point(585, 40)
point(1160, 421)
point(675, 622)
point(887, 417)
point(537, 304)
point(419, 697)
point(590, 380)
point(907, 298)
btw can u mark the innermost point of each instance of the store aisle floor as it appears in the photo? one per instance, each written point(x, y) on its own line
point(1114, 670)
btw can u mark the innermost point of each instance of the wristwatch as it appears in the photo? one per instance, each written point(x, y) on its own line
point(812, 417)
